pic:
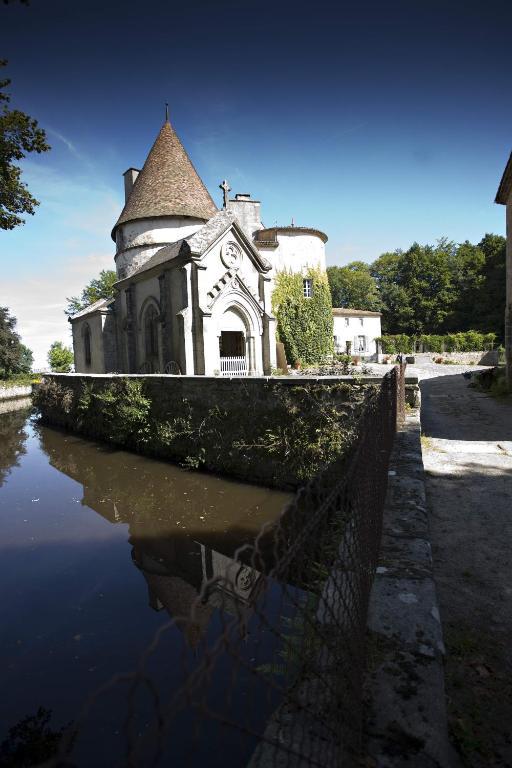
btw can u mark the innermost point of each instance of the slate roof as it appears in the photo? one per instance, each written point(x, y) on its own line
point(168, 184)
point(101, 304)
point(347, 312)
point(207, 235)
point(505, 188)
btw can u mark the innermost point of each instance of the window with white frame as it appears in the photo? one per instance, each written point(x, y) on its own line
point(361, 320)
point(347, 322)
point(307, 287)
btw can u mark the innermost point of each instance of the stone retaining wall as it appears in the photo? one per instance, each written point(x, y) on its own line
point(465, 358)
point(12, 392)
point(406, 722)
point(276, 431)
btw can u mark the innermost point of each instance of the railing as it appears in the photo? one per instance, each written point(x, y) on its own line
point(273, 651)
point(233, 366)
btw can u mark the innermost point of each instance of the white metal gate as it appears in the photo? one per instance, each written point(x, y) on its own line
point(233, 366)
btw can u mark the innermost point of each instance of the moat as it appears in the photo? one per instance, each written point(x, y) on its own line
point(99, 549)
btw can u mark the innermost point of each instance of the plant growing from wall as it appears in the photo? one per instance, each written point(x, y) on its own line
point(304, 325)
point(120, 412)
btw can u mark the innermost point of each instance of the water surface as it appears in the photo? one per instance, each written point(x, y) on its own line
point(99, 548)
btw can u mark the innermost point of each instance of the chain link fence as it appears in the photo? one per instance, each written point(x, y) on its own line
point(272, 654)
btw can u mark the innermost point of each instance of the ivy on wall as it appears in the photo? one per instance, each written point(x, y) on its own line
point(304, 325)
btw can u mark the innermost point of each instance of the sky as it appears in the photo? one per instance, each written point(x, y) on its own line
point(380, 123)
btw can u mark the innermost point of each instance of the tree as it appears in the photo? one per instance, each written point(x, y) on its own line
point(354, 286)
point(466, 266)
point(99, 288)
point(60, 358)
point(491, 299)
point(15, 357)
point(416, 287)
point(26, 360)
point(19, 135)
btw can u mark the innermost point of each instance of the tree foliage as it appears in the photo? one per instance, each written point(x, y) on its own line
point(101, 287)
point(60, 358)
point(19, 136)
point(354, 286)
point(15, 357)
point(304, 325)
point(443, 288)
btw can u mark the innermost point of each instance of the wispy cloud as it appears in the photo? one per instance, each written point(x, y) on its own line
point(84, 160)
point(65, 245)
point(39, 302)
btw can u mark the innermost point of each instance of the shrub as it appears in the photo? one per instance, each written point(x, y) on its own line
point(119, 412)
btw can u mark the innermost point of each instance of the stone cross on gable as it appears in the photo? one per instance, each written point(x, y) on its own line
point(225, 189)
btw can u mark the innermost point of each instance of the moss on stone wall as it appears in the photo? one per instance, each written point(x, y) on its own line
point(261, 431)
point(304, 325)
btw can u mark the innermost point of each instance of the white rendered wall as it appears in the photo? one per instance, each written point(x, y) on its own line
point(296, 252)
point(370, 328)
point(137, 241)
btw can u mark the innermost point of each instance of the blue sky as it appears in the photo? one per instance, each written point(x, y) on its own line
point(380, 123)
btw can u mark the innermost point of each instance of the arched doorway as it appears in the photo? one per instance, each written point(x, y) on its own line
point(233, 346)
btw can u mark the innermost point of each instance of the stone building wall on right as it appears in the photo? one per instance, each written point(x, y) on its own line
point(504, 197)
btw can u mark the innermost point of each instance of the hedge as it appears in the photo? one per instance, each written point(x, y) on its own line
point(467, 341)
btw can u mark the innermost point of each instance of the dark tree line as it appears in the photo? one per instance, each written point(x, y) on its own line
point(429, 289)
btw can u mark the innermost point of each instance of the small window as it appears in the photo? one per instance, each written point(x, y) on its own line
point(347, 321)
point(308, 288)
point(361, 320)
point(87, 345)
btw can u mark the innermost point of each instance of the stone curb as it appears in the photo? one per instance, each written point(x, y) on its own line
point(406, 722)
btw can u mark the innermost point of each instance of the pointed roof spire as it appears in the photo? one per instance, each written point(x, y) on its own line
point(168, 184)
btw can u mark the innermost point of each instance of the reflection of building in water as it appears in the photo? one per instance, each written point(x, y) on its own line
point(211, 581)
point(185, 568)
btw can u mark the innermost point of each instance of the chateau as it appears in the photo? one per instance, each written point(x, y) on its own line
point(194, 282)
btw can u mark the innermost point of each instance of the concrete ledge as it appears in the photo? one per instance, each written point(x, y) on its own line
point(406, 723)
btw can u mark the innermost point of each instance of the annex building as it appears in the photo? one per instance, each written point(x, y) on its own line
point(194, 282)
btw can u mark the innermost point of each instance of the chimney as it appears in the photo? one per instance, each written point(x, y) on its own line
point(247, 212)
point(130, 177)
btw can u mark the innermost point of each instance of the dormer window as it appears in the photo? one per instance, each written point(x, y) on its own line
point(307, 287)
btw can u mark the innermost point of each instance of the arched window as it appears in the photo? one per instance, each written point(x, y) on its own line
point(151, 332)
point(87, 344)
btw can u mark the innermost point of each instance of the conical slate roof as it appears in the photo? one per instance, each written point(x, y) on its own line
point(168, 184)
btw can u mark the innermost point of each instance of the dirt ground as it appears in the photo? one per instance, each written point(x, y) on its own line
point(467, 452)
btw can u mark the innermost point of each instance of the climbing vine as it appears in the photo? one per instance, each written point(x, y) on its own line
point(304, 325)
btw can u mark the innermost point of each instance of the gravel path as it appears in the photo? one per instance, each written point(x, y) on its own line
point(467, 452)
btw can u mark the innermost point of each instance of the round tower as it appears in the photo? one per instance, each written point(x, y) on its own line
point(294, 249)
point(165, 202)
